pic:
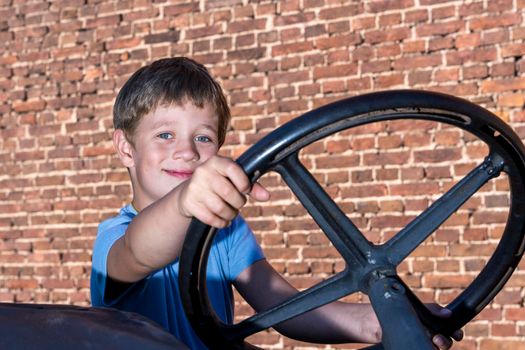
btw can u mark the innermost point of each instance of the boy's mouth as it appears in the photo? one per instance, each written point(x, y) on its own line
point(184, 175)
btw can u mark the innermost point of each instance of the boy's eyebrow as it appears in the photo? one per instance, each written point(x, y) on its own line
point(163, 123)
point(210, 127)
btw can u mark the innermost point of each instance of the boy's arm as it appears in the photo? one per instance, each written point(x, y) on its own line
point(262, 287)
point(152, 240)
point(214, 194)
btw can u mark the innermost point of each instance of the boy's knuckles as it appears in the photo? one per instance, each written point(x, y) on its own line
point(217, 207)
point(192, 185)
point(207, 218)
point(234, 170)
point(199, 174)
point(244, 186)
point(231, 215)
point(230, 193)
point(226, 212)
point(213, 220)
point(242, 201)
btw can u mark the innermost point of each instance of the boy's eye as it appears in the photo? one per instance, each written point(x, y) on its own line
point(203, 139)
point(165, 135)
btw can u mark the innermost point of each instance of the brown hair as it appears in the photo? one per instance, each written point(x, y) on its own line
point(167, 81)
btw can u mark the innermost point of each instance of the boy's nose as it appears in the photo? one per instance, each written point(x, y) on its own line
point(185, 150)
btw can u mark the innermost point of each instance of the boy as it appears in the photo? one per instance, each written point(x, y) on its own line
point(170, 119)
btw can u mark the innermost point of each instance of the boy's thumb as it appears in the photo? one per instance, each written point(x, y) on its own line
point(259, 193)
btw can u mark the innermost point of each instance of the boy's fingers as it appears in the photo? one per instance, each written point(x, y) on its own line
point(239, 179)
point(220, 208)
point(458, 335)
point(207, 205)
point(439, 340)
point(442, 342)
point(438, 310)
point(226, 185)
point(234, 173)
point(445, 313)
point(229, 193)
point(222, 177)
point(209, 217)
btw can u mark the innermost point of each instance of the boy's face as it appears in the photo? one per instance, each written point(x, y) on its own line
point(169, 143)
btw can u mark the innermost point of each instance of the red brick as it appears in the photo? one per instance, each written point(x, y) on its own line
point(340, 11)
point(175, 10)
point(386, 158)
point(440, 28)
point(375, 66)
point(468, 40)
point(384, 5)
point(495, 21)
point(29, 106)
point(381, 36)
point(364, 191)
point(286, 49)
point(334, 71)
point(502, 344)
point(417, 62)
point(387, 81)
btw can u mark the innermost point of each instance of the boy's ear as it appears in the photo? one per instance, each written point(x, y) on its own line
point(123, 147)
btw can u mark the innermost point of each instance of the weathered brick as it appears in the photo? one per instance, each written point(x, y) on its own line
point(29, 106)
point(502, 344)
point(440, 28)
point(494, 21)
point(384, 5)
point(286, 49)
point(417, 62)
point(503, 85)
point(387, 81)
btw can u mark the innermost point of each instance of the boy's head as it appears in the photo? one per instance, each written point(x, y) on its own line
point(164, 82)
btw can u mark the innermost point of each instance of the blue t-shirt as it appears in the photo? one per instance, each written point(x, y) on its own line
point(157, 296)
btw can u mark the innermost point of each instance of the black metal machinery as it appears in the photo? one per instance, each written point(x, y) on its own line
point(66, 327)
point(370, 268)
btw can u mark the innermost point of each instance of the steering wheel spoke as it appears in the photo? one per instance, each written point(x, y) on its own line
point(345, 236)
point(397, 315)
point(321, 294)
point(409, 238)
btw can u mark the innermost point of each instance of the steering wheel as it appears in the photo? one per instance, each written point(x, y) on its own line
point(370, 268)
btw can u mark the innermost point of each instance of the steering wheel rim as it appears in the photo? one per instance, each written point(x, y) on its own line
point(278, 152)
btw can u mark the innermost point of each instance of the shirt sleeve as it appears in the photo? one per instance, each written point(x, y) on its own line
point(106, 237)
point(243, 248)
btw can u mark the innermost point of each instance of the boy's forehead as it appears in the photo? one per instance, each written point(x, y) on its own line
point(175, 113)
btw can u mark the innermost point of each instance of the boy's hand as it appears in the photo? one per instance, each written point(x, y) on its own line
point(216, 192)
point(441, 341)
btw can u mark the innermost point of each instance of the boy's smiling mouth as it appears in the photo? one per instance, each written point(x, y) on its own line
point(181, 174)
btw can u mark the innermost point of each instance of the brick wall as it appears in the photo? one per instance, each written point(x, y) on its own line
point(62, 62)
